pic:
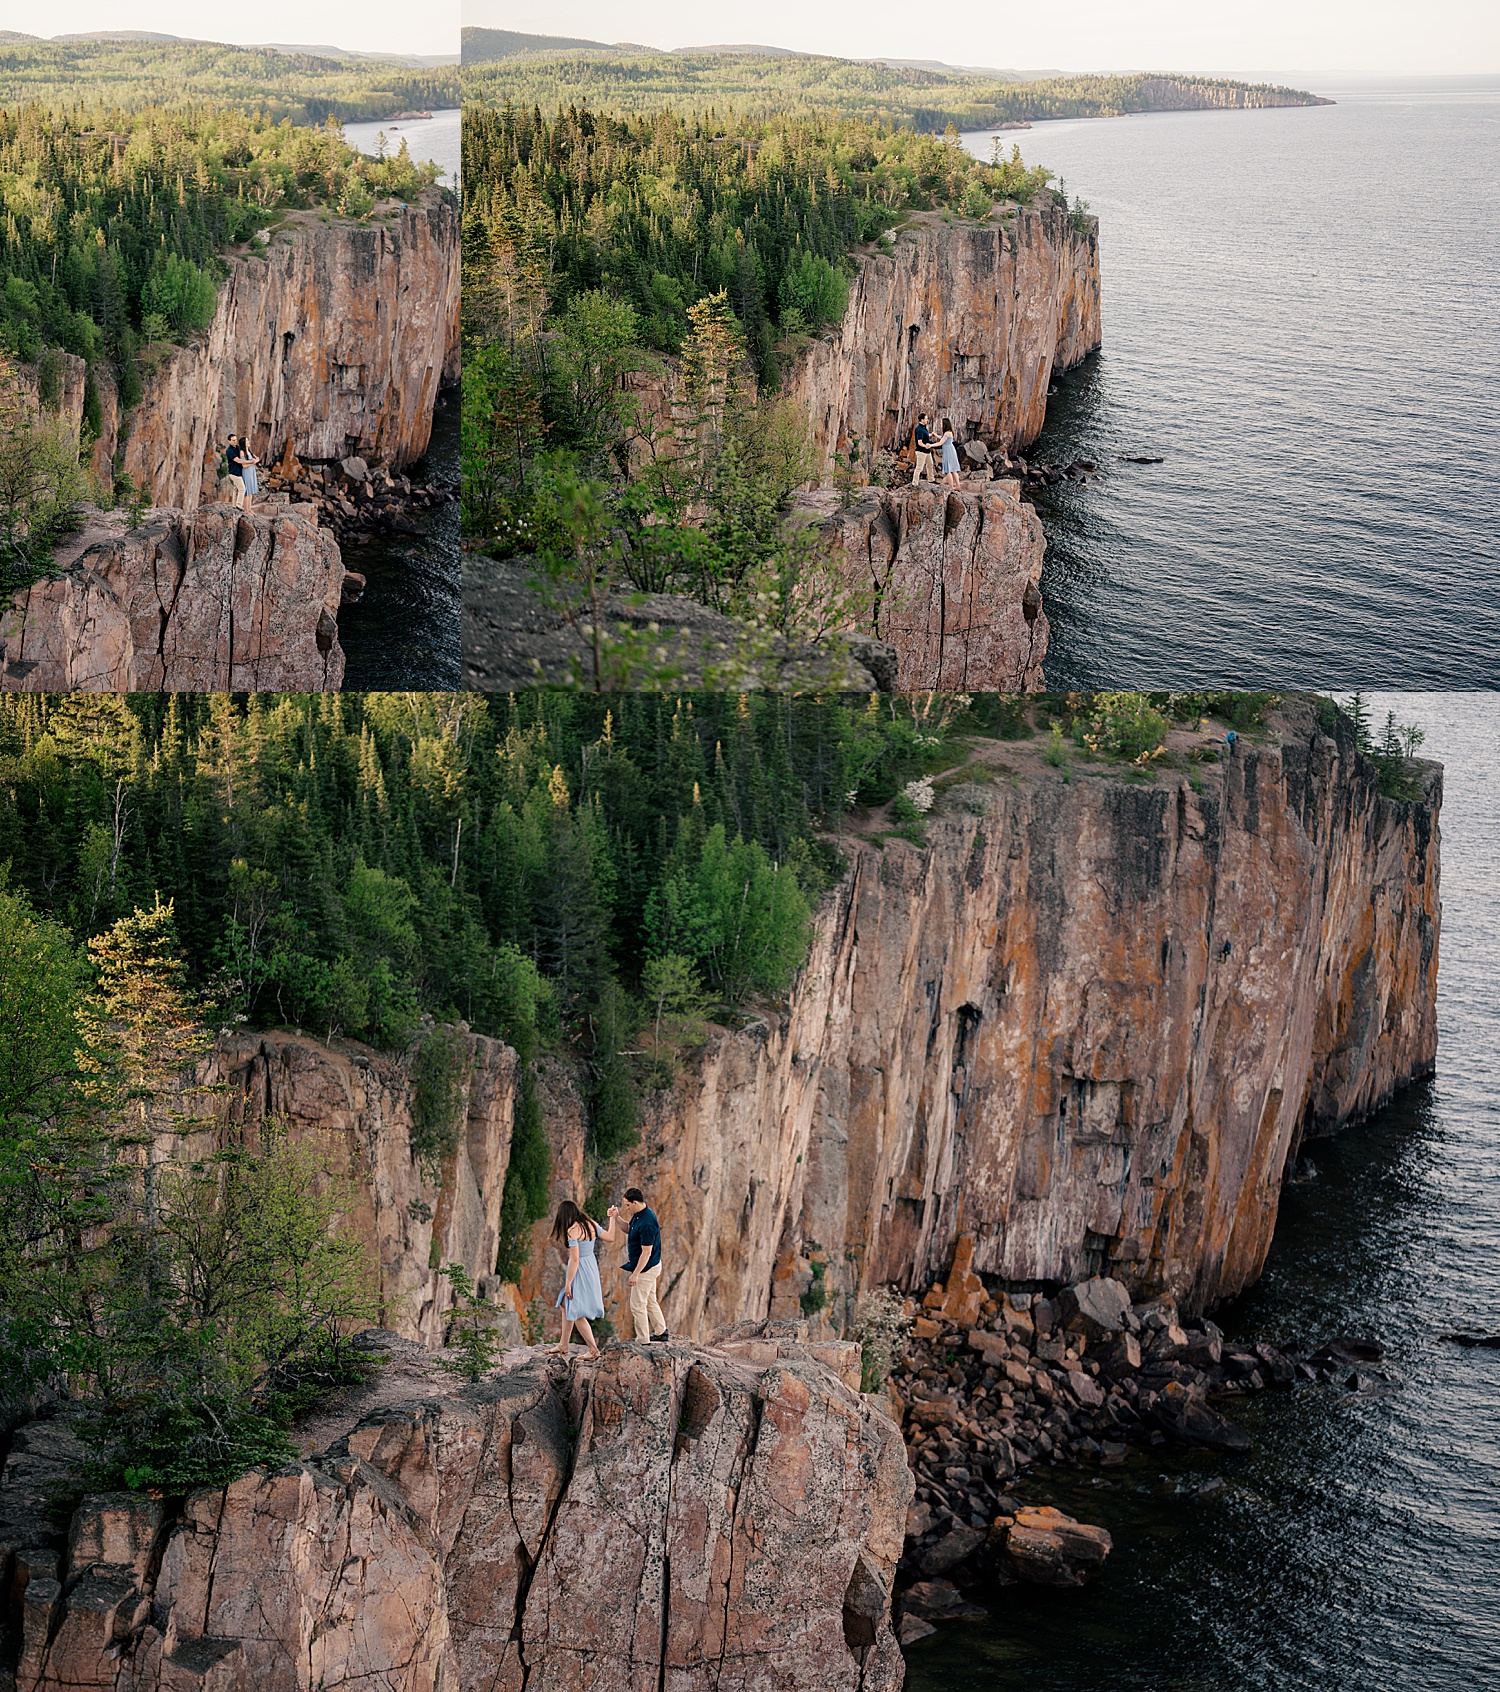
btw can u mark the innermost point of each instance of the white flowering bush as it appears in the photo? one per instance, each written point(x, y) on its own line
point(919, 795)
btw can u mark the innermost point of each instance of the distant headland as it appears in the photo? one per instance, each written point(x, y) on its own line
point(503, 64)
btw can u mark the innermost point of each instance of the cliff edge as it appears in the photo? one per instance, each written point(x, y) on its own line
point(205, 600)
point(953, 578)
point(671, 1516)
point(334, 335)
point(965, 319)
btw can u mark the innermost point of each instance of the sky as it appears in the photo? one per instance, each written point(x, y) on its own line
point(371, 26)
point(1269, 40)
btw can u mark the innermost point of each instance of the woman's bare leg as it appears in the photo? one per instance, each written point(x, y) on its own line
point(586, 1334)
point(567, 1334)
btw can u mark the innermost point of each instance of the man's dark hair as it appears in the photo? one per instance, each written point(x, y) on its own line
point(921, 416)
point(634, 1195)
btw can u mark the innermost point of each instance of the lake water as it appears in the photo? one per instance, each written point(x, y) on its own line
point(1357, 1548)
point(434, 138)
point(1302, 317)
point(404, 632)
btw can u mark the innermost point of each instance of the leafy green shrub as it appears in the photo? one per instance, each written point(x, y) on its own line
point(176, 1445)
point(613, 1105)
point(1122, 725)
point(816, 1296)
point(471, 1331)
point(1055, 752)
point(726, 904)
point(528, 1183)
point(438, 1073)
point(815, 290)
point(41, 486)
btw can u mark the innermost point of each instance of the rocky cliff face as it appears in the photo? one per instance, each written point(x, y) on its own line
point(203, 600)
point(1086, 1023)
point(954, 578)
point(336, 335)
point(668, 1518)
point(417, 1216)
point(965, 320)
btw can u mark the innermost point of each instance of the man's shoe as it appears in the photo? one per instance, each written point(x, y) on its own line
point(656, 1339)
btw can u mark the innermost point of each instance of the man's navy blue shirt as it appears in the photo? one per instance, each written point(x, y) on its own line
point(645, 1234)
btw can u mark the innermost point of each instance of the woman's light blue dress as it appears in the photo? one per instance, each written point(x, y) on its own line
point(588, 1296)
point(950, 457)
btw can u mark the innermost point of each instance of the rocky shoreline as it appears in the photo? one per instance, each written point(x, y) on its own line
point(356, 498)
point(989, 1387)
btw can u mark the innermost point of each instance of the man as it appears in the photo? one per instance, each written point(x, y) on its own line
point(924, 445)
point(643, 1261)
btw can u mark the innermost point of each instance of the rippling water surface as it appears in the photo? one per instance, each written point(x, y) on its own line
point(1357, 1548)
point(1302, 317)
point(404, 632)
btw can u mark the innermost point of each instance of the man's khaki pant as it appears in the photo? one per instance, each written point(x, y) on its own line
point(644, 1307)
point(924, 469)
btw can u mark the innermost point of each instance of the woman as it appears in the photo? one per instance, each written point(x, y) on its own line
point(248, 461)
point(950, 456)
point(581, 1297)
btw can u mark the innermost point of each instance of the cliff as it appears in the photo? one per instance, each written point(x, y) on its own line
point(1087, 1022)
point(966, 320)
point(668, 1518)
point(954, 579)
point(202, 600)
point(416, 1217)
point(334, 335)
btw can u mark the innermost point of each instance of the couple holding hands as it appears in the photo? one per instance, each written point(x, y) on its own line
point(582, 1296)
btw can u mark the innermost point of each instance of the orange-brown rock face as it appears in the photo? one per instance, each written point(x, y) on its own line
point(965, 320)
point(417, 1217)
point(955, 578)
point(1087, 1023)
point(203, 600)
point(336, 337)
point(671, 1517)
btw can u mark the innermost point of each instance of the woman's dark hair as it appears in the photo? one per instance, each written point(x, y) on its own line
point(568, 1214)
point(947, 426)
point(634, 1195)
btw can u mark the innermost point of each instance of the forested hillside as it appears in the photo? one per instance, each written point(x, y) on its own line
point(131, 75)
point(111, 220)
point(762, 83)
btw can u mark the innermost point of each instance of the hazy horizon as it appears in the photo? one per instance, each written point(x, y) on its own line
point(1285, 41)
point(372, 26)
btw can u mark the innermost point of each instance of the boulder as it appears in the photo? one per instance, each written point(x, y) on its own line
point(994, 1349)
point(937, 1600)
point(953, 1548)
point(1048, 1548)
point(201, 601)
point(354, 469)
point(963, 1293)
point(975, 453)
point(1122, 1356)
point(1095, 1308)
point(1184, 1416)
